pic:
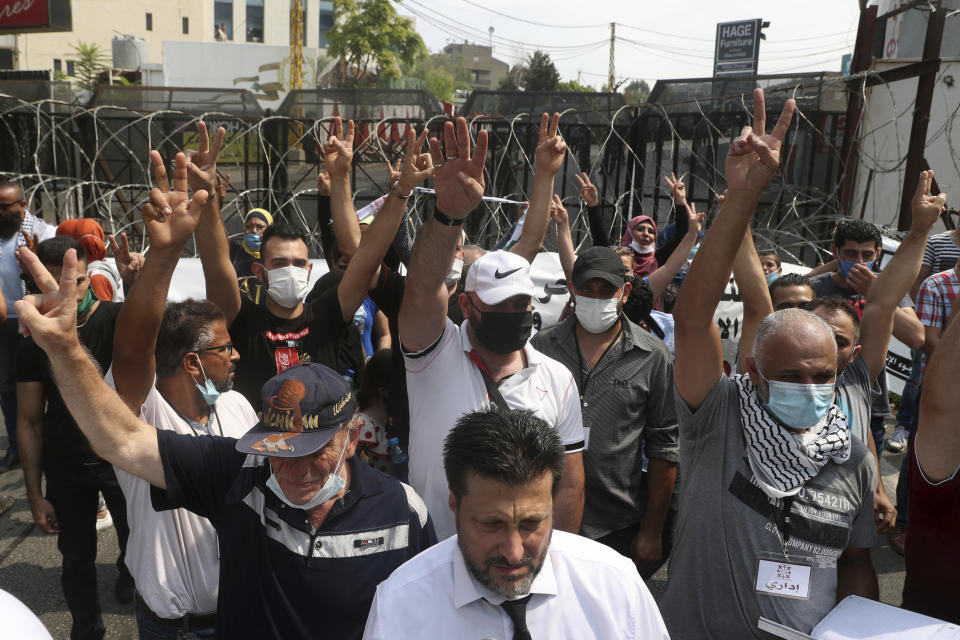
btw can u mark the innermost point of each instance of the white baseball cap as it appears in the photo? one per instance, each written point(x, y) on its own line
point(499, 275)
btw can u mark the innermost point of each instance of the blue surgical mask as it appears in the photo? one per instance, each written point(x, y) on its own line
point(252, 240)
point(334, 485)
point(771, 277)
point(208, 390)
point(846, 265)
point(799, 406)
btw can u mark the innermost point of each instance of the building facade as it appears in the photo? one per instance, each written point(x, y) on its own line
point(485, 70)
point(98, 21)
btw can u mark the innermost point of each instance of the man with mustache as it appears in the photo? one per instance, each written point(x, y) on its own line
point(508, 573)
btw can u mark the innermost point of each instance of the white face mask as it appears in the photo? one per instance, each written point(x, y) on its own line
point(596, 315)
point(287, 286)
point(456, 269)
point(333, 485)
point(642, 250)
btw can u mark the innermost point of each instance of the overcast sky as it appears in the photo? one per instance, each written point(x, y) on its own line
point(672, 39)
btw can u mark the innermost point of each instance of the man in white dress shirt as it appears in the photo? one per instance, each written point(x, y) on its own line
point(507, 573)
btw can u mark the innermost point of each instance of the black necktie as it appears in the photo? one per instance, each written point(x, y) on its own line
point(517, 610)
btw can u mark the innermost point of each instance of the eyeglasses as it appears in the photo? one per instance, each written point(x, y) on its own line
point(226, 348)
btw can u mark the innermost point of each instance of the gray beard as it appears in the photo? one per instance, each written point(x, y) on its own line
point(482, 575)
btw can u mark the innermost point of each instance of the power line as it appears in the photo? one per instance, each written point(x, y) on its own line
point(538, 24)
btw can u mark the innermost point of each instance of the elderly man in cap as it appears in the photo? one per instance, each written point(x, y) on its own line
point(625, 377)
point(305, 532)
point(452, 369)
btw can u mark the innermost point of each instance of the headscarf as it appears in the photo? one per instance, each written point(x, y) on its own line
point(88, 233)
point(643, 264)
point(264, 215)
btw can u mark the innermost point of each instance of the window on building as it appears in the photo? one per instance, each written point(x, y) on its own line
point(186, 25)
point(149, 22)
point(71, 69)
point(57, 64)
point(223, 17)
point(326, 22)
point(254, 20)
point(476, 58)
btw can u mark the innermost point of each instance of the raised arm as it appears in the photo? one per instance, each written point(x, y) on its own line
point(113, 431)
point(129, 263)
point(551, 150)
point(937, 443)
point(751, 164)
point(337, 157)
point(170, 218)
point(752, 285)
point(660, 279)
point(599, 236)
point(895, 280)
point(678, 192)
point(459, 184)
point(219, 275)
point(564, 240)
point(364, 268)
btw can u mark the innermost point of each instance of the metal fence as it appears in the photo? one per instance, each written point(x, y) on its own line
point(92, 161)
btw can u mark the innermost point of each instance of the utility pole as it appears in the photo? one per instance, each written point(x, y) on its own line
point(613, 38)
point(296, 45)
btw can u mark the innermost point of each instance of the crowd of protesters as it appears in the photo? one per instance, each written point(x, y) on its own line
point(394, 452)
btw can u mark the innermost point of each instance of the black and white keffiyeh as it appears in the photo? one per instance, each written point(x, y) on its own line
point(781, 461)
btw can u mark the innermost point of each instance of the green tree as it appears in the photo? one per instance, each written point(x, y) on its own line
point(541, 74)
point(574, 86)
point(636, 92)
point(89, 63)
point(513, 81)
point(441, 74)
point(372, 41)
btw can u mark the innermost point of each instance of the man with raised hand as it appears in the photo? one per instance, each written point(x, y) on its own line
point(861, 341)
point(305, 531)
point(777, 495)
point(174, 367)
point(286, 331)
point(452, 370)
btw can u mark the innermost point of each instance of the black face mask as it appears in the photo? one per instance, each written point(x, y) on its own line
point(502, 332)
point(9, 225)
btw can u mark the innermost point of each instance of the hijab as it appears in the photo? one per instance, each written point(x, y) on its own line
point(643, 263)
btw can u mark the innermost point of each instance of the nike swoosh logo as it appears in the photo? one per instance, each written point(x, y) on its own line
point(501, 276)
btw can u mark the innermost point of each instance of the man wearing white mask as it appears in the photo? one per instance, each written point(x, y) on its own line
point(285, 332)
point(624, 376)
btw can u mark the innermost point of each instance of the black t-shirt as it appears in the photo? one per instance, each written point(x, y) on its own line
point(269, 345)
point(64, 445)
point(250, 286)
point(278, 577)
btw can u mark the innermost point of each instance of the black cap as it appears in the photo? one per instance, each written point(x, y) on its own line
point(599, 262)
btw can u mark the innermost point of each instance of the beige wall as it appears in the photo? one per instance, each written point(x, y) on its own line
point(98, 21)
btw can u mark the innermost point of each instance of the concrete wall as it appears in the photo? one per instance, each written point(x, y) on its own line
point(886, 136)
point(223, 62)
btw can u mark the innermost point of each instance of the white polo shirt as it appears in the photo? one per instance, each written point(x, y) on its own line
point(584, 590)
point(174, 555)
point(443, 383)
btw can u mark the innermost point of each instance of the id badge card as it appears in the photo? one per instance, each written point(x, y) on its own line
point(783, 578)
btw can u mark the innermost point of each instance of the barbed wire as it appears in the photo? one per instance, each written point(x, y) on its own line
point(76, 161)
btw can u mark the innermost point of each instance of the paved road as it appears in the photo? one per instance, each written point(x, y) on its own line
point(30, 565)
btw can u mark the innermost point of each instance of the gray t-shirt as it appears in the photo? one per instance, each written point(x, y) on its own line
point(727, 522)
point(855, 397)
